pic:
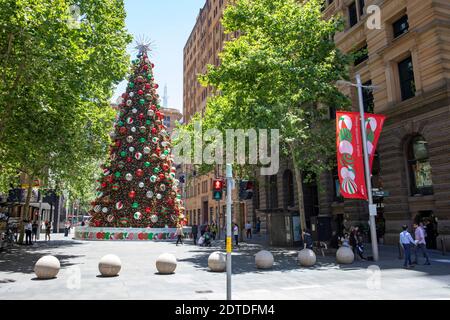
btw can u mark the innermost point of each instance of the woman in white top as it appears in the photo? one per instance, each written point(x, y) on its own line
point(236, 234)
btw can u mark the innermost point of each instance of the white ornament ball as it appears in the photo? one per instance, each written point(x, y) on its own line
point(158, 196)
point(104, 210)
point(133, 129)
point(345, 255)
point(149, 194)
point(137, 215)
point(307, 258)
point(134, 110)
point(166, 263)
point(109, 265)
point(131, 149)
point(129, 177)
point(217, 262)
point(130, 139)
point(154, 218)
point(162, 187)
point(264, 260)
point(147, 150)
point(129, 103)
point(97, 208)
point(47, 267)
point(141, 185)
point(131, 94)
point(150, 113)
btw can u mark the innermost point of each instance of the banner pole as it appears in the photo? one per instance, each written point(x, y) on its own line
point(229, 175)
point(372, 207)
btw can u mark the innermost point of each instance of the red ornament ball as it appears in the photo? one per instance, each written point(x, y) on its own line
point(141, 116)
point(129, 159)
point(165, 167)
point(139, 172)
point(156, 86)
point(104, 184)
point(161, 176)
point(123, 130)
point(147, 86)
point(118, 143)
point(132, 194)
point(153, 65)
point(145, 67)
point(124, 95)
point(148, 210)
point(140, 92)
point(153, 130)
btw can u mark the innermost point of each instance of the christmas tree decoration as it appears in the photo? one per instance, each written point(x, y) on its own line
point(138, 176)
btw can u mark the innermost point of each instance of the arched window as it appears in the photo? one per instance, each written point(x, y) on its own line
point(288, 186)
point(419, 167)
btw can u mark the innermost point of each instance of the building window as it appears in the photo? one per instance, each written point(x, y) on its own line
point(361, 7)
point(406, 76)
point(352, 14)
point(400, 26)
point(361, 55)
point(288, 185)
point(419, 167)
point(273, 192)
point(337, 187)
point(368, 97)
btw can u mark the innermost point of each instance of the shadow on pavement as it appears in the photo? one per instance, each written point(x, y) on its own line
point(285, 260)
point(22, 258)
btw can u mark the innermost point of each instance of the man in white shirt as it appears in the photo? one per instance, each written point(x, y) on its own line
point(406, 241)
point(28, 229)
point(419, 235)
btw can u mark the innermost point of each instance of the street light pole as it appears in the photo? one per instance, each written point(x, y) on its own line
point(372, 207)
point(228, 241)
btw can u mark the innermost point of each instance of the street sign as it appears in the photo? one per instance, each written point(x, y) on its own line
point(380, 193)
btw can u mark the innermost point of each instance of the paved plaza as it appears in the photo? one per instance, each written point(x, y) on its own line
point(79, 276)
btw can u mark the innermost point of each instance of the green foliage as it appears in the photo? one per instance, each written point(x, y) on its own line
point(57, 75)
point(280, 73)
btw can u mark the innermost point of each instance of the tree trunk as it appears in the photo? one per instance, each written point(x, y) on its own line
point(299, 181)
point(26, 208)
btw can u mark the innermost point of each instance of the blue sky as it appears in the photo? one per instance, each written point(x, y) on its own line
point(168, 23)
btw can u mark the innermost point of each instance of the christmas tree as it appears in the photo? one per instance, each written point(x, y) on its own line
point(138, 188)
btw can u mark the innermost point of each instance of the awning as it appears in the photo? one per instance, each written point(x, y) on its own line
point(45, 205)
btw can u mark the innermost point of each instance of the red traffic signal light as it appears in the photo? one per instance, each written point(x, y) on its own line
point(218, 185)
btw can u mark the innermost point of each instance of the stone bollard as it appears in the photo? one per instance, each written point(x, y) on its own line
point(166, 263)
point(109, 265)
point(264, 260)
point(217, 262)
point(307, 258)
point(345, 255)
point(47, 267)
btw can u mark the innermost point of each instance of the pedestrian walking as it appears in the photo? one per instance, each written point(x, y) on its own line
point(248, 229)
point(48, 228)
point(195, 233)
point(83, 223)
point(236, 234)
point(307, 239)
point(34, 230)
point(214, 231)
point(28, 231)
point(419, 235)
point(406, 241)
point(258, 225)
point(179, 234)
point(66, 228)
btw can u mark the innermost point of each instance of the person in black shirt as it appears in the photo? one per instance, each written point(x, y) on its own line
point(195, 233)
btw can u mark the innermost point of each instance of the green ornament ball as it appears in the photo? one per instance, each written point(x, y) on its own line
point(141, 101)
point(117, 174)
point(135, 205)
point(156, 170)
point(142, 140)
point(120, 123)
point(123, 153)
point(147, 164)
point(131, 85)
point(148, 122)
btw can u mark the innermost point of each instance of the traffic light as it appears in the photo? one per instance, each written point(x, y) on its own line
point(217, 189)
point(245, 190)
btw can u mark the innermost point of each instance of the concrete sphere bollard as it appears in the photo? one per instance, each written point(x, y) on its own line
point(345, 255)
point(307, 258)
point(109, 265)
point(264, 260)
point(47, 267)
point(217, 262)
point(166, 263)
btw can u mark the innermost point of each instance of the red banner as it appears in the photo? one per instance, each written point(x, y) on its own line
point(374, 125)
point(350, 155)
